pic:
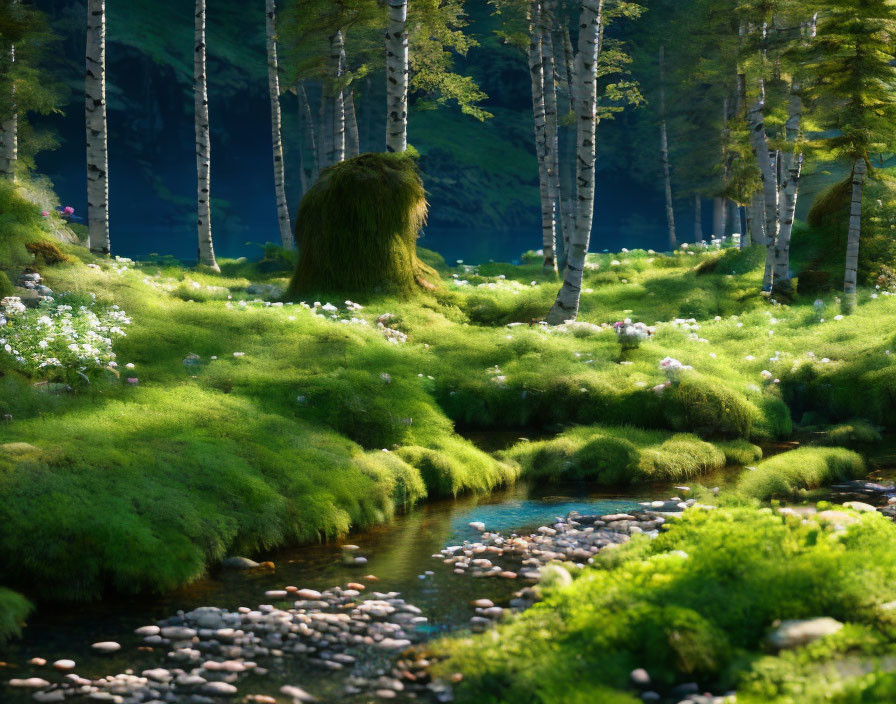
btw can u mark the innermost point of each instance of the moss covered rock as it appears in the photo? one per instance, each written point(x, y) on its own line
point(357, 229)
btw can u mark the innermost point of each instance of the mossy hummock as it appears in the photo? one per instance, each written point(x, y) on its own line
point(357, 229)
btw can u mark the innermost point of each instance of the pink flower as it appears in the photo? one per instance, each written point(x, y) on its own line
point(46, 214)
point(69, 210)
point(132, 380)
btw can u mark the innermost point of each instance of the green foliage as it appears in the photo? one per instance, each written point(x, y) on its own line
point(697, 602)
point(357, 228)
point(13, 610)
point(858, 435)
point(618, 456)
point(23, 230)
point(787, 474)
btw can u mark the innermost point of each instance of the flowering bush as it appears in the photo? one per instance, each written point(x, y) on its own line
point(630, 335)
point(59, 341)
point(673, 369)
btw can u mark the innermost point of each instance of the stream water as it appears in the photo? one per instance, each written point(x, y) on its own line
point(399, 553)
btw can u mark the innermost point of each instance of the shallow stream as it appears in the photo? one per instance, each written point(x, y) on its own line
point(399, 553)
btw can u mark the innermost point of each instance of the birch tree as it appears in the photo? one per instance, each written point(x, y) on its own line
point(334, 126)
point(536, 74)
point(759, 140)
point(206, 255)
point(792, 163)
point(397, 73)
point(97, 130)
point(566, 306)
point(9, 128)
point(286, 236)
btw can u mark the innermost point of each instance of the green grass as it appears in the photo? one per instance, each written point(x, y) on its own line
point(695, 604)
point(324, 425)
point(785, 475)
point(619, 456)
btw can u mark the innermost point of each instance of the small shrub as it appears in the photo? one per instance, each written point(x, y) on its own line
point(46, 252)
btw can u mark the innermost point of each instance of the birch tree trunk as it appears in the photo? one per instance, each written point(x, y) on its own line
point(698, 218)
point(664, 149)
point(855, 231)
point(757, 234)
point(397, 77)
point(97, 132)
point(206, 255)
point(286, 236)
point(567, 164)
point(9, 129)
point(308, 136)
point(335, 103)
point(789, 190)
point(552, 157)
point(536, 73)
point(327, 146)
point(566, 307)
point(352, 140)
point(759, 140)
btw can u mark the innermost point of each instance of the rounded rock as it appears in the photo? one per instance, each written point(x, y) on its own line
point(106, 646)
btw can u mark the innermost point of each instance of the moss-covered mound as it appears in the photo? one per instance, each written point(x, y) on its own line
point(626, 455)
point(697, 604)
point(357, 229)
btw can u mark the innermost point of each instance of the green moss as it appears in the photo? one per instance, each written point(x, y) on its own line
point(703, 406)
point(357, 228)
point(831, 206)
point(859, 434)
point(786, 474)
point(696, 603)
point(617, 456)
point(6, 287)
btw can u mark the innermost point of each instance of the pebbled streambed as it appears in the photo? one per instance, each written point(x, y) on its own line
point(427, 597)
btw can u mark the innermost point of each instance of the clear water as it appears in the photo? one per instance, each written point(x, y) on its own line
point(399, 554)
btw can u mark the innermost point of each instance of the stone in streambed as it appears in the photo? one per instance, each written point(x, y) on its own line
point(29, 683)
point(106, 646)
point(239, 563)
point(54, 695)
point(296, 693)
point(64, 665)
point(794, 633)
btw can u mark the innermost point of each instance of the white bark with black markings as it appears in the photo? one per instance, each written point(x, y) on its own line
point(97, 130)
point(397, 70)
point(206, 253)
point(566, 306)
point(286, 236)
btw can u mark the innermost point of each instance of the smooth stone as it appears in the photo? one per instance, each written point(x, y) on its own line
point(838, 518)
point(296, 693)
point(239, 563)
point(385, 694)
point(30, 683)
point(308, 594)
point(358, 561)
point(483, 603)
point(276, 593)
point(39, 662)
point(219, 689)
point(178, 633)
point(55, 695)
point(860, 507)
point(794, 633)
point(106, 646)
point(148, 631)
point(64, 665)
point(639, 677)
point(159, 674)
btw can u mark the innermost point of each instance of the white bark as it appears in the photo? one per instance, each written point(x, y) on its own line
point(855, 231)
point(206, 254)
point(352, 140)
point(566, 307)
point(97, 132)
point(9, 129)
point(536, 73)
point(552, 157)
point(789, 190)
point(567, 164)
point(335, 103)
point(286, 236)
point(757, 217)
point(759, 141)
point(397, 77)
point(664, 148)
